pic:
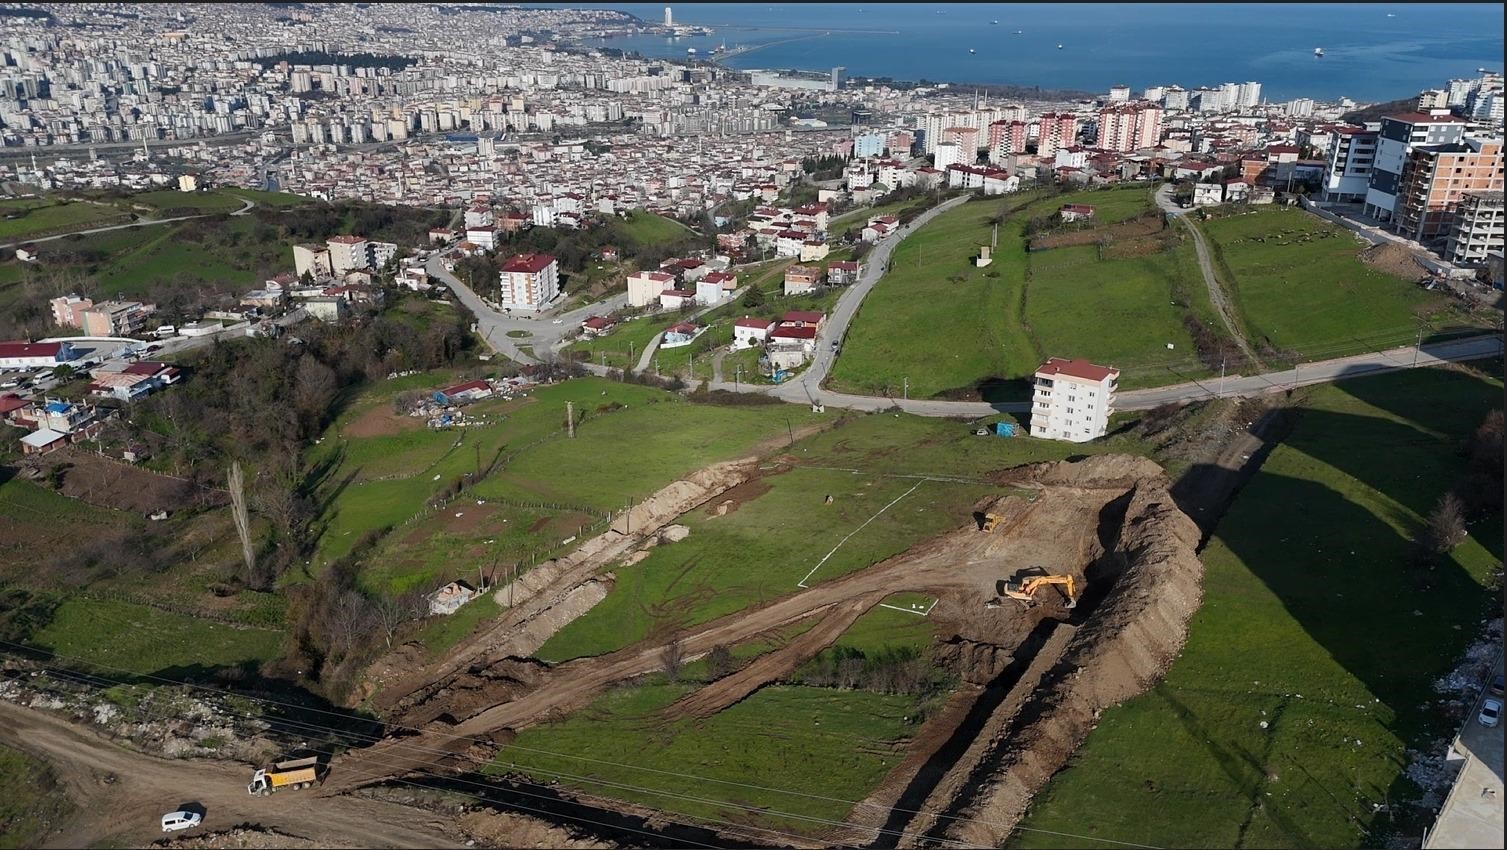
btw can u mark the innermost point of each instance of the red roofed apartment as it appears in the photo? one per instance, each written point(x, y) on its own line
point(1073, 400)
point(529, 281)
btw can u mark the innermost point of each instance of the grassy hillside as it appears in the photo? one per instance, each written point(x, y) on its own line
point(1308, 670)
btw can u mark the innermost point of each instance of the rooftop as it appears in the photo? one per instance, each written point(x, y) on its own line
point(1077, 368)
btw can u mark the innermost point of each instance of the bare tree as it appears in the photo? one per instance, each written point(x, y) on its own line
point(1446, 524)
point(314, 388)
point(392, 612)
point(720, 661)
point(237, 486)
point(672, 659)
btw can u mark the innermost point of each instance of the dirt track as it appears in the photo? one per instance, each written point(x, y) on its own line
point(1059, 528)
point(120, 794)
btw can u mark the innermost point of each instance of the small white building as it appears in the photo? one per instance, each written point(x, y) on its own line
point(1207, 194)
point(1073, 400)
point(749, 332)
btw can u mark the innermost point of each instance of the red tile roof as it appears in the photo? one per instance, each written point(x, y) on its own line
point(465, 387)
point(753, 323)
point(682, 328)
point(599, 323)
point(346, 240)
point(679, 293)
point(530, 263)
point(1076, 368)
point(807, 332)
point(30, 349)
point(10, 402)
point(803, 316)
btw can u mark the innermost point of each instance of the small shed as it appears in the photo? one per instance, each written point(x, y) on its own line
point(448, 599)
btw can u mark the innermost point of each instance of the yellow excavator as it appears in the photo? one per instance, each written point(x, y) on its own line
point(1025, 590)
point(991, 522)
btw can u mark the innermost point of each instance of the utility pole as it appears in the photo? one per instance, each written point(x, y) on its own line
point(1417, 346)
point(570, 418)
point(905, 388)
point(1221, 379)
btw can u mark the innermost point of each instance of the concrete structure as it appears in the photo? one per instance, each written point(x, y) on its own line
point(347, 253)
point(1397, 136)
point(1128, 127)
point(313, 260)
point(644, 287)
point(116, 318)
point(1477, 229)
point(799, 279)
point(1434, 180)
point(529, 281)
point(1352, 156)
point(68, 310)
point(1073, 400)
point(1058, 130)
point(949, 153)
point(325, 308)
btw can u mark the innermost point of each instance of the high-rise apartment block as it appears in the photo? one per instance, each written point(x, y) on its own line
point(1352, 156)
point(1073, 400)
point(1128, 127)
point(1435, 180)
point(529, 281)
point(1060, 130)
point(1477, 229)
point(1398, 135)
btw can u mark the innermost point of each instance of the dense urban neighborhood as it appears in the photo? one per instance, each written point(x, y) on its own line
point(484, 425)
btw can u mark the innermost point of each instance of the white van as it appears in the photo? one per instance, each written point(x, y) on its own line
point(174, 821)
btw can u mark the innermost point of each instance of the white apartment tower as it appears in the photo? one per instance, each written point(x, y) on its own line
point(669, 20)
point(1073, 400)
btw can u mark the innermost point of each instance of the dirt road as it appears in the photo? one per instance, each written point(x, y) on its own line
point(1217, 295)
point(120, 795)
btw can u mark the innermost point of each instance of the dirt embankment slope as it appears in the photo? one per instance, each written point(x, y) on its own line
point(1121, 649)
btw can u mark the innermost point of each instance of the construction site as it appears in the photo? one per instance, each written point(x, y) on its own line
point(1065, 593)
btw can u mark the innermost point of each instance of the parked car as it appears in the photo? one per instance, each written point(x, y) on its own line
point(1491, 713)
point(174, 821)
point(1496, 685)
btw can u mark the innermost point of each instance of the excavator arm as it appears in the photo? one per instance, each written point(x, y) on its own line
point(1026, 591)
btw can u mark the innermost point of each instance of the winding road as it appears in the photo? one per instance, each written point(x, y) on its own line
point(806, 388)
point(146, 222)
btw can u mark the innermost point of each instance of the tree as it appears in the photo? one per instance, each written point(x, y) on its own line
point(754, 297)
point(313, 389)
point(1446, 524)
point(672, 660)
point(392, 612)
point(720, 661)
point(237, 485)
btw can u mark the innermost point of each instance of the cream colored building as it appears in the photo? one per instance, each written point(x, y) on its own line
point(644, 287)
point(1073, 400)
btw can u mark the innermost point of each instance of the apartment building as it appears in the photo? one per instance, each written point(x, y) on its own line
point(967, 140)
point(312, 260)
point(116, 318)
point(347, 253)
point(1398, 135)
point(1006, 138)
point(1434, 181)
point(949, 153)
point(1125, 128)
point(1059, 130)
point(1352, 155)
point(68, 310)
point(529, 281)
point(1477, 229)
point(644, 287)
point(1073, 400)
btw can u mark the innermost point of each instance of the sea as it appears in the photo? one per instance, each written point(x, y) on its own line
point(1372, 52)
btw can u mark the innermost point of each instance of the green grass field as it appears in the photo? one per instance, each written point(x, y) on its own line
point(773, 539)
point(1312, 622)
point(40, 217)
point(1308, 292)
point(988, 319)
point(785, 758)
point(647, 228)
point(135, 637)
point(761, 551)
point(32, 803)
point(189, 203)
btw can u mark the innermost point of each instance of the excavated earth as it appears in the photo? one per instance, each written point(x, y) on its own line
point(1034, 679)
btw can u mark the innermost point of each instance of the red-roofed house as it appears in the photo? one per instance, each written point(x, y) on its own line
point(34, 355)
point(1076, 212)
point(802, 319)
point(749, 332)
point(790, 346)
point(800, 279)
point(1073, 400)
point(843, 273)
point(529, 281)
point(466, 392)
point(679, 334)
point(674, 299)
point(598, 325)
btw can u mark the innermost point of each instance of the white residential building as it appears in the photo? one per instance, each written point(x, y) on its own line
point(347, 253)
point(1073, 400)
point(529, 281)
point(644, 287)
point(949, 153)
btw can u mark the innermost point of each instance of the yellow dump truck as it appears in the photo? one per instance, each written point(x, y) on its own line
point(298, 773)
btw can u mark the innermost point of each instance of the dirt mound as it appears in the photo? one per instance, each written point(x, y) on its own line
point(465, 694)
point(1121, 650)
point(245, 835)
point(119, 485)
point(1394, 259)
point(505, 829)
